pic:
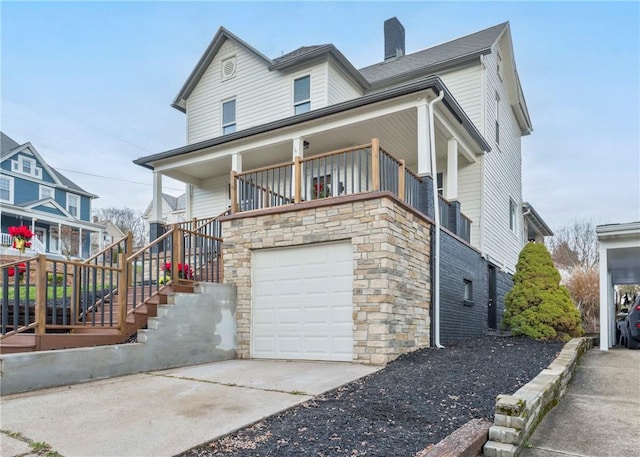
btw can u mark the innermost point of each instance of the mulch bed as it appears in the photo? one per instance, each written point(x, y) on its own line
point(417, 400)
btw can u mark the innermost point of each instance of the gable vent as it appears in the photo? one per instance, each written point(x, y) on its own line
point(228, 68)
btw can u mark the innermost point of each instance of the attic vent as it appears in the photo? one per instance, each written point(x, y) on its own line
point(228, 68)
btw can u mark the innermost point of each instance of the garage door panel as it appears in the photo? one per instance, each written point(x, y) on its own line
point(307, 303)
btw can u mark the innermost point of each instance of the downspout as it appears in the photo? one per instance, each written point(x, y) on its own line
point(436, 214)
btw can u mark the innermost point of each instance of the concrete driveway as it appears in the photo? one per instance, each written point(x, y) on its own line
point(165, 412)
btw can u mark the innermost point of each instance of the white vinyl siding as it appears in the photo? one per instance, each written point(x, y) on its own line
point(466, 86)
point(211, 199)
point(340, 88)
point(261, 95)
point(502, 175)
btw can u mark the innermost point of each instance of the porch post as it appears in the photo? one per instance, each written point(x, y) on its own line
point(451, 190)
point(605, 295)
point(424, 158)
point(296, 175)
point(236, 162)
point(155, 221)
point(80, 242)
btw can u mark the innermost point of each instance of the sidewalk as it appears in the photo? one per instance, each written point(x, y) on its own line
point(165, 412)
point(598, 416)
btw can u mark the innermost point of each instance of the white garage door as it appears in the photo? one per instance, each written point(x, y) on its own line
point(302, 303)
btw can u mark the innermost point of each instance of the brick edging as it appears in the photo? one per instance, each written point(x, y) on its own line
point(466, 441)
point(518, 415)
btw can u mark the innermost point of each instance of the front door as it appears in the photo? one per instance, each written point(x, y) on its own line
point(492, 316)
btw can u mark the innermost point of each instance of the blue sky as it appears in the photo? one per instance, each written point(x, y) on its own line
point(89, 84)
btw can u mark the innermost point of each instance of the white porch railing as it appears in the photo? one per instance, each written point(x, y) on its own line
point(5, 239)
point(38, 246)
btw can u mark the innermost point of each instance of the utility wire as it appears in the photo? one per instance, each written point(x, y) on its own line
point(112, 178)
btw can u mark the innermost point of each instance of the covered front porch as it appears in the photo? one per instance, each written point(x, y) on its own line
point(52, 236)
point(394, 141)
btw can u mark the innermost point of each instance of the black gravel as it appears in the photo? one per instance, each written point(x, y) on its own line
point(415, 401)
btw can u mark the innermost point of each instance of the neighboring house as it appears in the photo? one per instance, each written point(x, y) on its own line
point(35, 195)
point(335, 256)
point(173, 209)
point(110, 233)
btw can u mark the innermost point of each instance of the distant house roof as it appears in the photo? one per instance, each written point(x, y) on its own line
point(176, 203)
point(6, 143)
point(8, 147)
point(467, 47)
point(535, 221)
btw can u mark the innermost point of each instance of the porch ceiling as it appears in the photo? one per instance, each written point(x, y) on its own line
point(397, 133)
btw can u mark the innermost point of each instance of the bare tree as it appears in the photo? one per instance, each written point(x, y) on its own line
point(127, 220)
point(575, 245)
point(69, 242)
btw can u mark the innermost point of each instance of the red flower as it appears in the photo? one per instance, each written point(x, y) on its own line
point(22, 232)
point(22, 268)
point(184, 271)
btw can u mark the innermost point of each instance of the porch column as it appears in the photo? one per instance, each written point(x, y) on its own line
point(155, 221)
point(59, 246)
point(605, 297)
point(298, 151)
point(424, 140)
point(80, 242)
point(451, 189)
point(236, 162)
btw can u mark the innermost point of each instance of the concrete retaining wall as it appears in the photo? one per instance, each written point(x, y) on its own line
point(517, 415)
point(191, 329)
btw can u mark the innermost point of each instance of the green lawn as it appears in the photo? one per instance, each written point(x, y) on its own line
point(22, 292)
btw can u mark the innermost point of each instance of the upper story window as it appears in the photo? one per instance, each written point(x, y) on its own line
point(26, 166)
point(513, 222)
point(302, 95)
point(497, 118)
point(228, 117)
point(47, 192)
point(6, 189)
point(73, 205)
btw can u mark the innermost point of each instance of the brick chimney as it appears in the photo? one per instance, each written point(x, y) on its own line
point(393, 39)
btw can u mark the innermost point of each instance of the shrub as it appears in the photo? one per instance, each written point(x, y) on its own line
point(537, 306)
point(59, 278)
point(584, 287)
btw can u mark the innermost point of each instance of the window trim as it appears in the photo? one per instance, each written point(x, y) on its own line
point(467, 292)
point(52, 189)
point(497, 129)
point(77, 198)
point(302, 102)
point(235, 116)
point(11, 189)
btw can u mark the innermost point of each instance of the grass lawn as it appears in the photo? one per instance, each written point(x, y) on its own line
point(60, 292)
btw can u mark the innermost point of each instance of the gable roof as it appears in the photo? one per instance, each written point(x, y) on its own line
point(307, 53)
point(10, 147)
point(6, 143)
point(179, 102)
point(452, 52)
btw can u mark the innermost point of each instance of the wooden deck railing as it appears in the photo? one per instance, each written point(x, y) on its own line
point(39, 295)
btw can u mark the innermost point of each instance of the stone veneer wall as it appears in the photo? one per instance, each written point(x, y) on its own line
point(391, 283)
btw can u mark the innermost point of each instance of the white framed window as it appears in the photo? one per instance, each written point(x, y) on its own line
point(47, 192)
point(302, 95)
point(229, 116)
point(497, 118)
point(513, 221)
point(26, 166)
point(73, 205)
point(468, 290)
point(6, 189)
